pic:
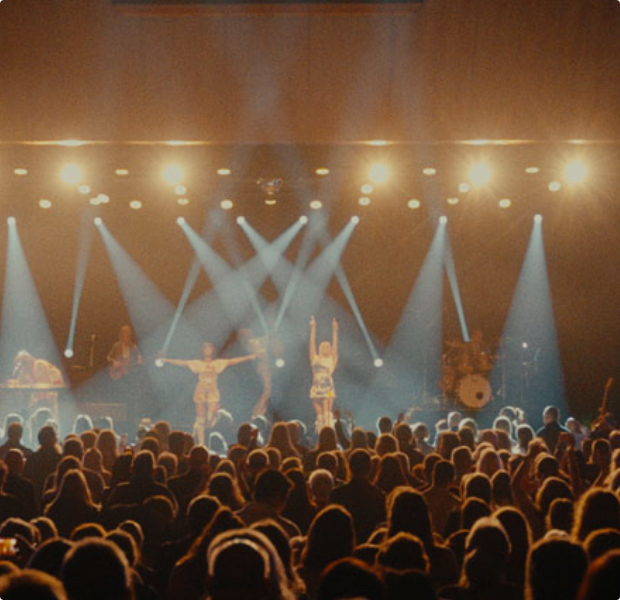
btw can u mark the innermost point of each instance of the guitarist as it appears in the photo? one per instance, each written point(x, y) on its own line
point(124, 355)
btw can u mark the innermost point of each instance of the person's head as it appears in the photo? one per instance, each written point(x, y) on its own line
point(601, 453)
point(404, 435)
point(14, 527)
point(525, 434)
point(28, 584)
point(262, 576)
point(14, 433)
point(331, 536)
point(503, 424)
point(49, 556)
point(45, 527)
point(546, 466)
point(390, 473)
point(550, 414)
point(321, 484)
point(443, 473)
point(420, 432)
point(408, 512)
point(199, 513)
point(384, 425)
point(208, 351)
point(280, 540)
point(93, 459)
point(126, 544)
point(489, 462)
point(454, 418)
point(325, 349)
point(386, 444)
point(555, 568)
point(350, 578)
point(551, 488)
point(561, 515)
point(273, 488)
point(502, 488)
point(602, 578)
point(600, 542)
point(477, 485)
point(14, 460)
point(462, 461)
point(87, 530)
point(402, 552)
point(280, 437)
point(143, 466)
point(487, 549)
point(596, 509)
point(73, 489)
point(360, 463)
point(446, 442)
point(472, 510)
point(96, 570)
point(223, 487)
point(327, 439)
point(134, 529)
point(47, 437)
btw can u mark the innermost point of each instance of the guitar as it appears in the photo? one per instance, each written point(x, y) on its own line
point(123, 366)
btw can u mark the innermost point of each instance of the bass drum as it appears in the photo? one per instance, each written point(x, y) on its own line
point(474, 391)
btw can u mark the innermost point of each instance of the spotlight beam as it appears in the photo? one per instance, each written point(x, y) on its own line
point(24, 324)
point(84, 247)
point(454, 286)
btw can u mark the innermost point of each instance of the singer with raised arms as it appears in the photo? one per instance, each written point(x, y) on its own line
point(323, 363)
point(207, 393)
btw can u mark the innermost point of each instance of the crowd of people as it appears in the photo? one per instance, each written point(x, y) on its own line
point(263, 511)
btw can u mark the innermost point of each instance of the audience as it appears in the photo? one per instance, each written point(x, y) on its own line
point(361, 514)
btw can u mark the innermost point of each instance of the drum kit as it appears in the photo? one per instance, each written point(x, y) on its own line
point(465, 375)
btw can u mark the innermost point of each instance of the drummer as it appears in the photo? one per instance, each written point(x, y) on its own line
point(474, 356)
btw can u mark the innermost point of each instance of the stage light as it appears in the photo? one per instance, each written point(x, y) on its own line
point(575, 172)
point(122, 172)
point(378, 173)
point(505, 203)
point(555, 186)
point(173, 174)
point(11, 221)
point(316, 205)
point(71, 174)
point(95, 201)
point(443, 220)
point(414, 204)
point(135, 204)
point(98, 221)
point(322, 171)
point(180, 221)
point(429, 171)
point(377, 143)
point(538, 218)
point(180, 190)
point(452, 200)
point(364, 201)
point(480, 174)
point(280, 363)
point(159, 363)
point(226, 204)
point(240, 220)
point(223, 172)
point(183, 201)
point(464, 188)
point(44, 203)
point(355, 220)
point(270, 201)
point(84, 189)
point(524, 345)
point(532, 170)
point(367, 189)
point(303, 219)
point(103, 198)
point(21, 172)
point(71, 143)
point(378, 362)
point(68, 353)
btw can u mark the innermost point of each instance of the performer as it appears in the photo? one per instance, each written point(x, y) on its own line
point(206, 394)
point(124, 355)
point(31, 371)
point(475, 357)
point(263, 348)
point(323, 366)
